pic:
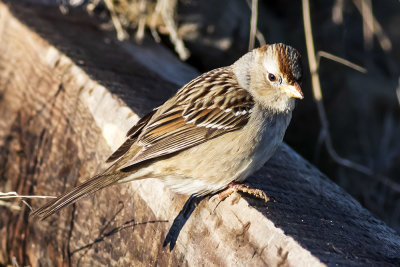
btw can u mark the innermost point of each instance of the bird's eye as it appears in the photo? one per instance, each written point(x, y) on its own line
point(271, 77)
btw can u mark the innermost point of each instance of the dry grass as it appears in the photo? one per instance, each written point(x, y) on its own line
point(15, 195)
point(325, 136)
point(139, 15)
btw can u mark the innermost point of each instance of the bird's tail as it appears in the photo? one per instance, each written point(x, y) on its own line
point(86, 188)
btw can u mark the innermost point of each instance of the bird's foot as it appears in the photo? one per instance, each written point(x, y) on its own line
point(235, 187)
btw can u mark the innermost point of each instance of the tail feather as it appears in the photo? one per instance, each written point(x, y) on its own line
point(88, 187)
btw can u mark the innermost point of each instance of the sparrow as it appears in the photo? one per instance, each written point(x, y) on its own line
point(212, 134)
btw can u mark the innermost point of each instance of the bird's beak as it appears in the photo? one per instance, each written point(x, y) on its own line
point(293, 90)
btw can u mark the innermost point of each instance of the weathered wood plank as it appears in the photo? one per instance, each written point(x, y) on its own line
point(67, 98)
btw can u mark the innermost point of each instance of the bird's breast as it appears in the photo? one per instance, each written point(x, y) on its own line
point(234, 156)
point(268, 132)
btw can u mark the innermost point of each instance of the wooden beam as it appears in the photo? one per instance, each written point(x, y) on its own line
point(68, 95)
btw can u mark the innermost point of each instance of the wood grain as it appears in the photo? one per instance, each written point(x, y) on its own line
point(69, 93)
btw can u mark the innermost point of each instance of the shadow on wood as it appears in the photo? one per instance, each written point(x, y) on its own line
point(180, 220)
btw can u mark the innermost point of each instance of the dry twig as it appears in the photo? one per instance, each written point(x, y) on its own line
point(317, 93)
point(260, 38)
point(10, 195)
point(368, 32)
point(370, 22)
point(12, 206)
point(398, 91)
point(337, 12)
point(166, 8)
point(339, 60)
point(253, 23)
point(254, 32)
point(121, 33)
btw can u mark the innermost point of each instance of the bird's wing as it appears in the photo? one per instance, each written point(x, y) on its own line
point(132, 136)
point(209, 106)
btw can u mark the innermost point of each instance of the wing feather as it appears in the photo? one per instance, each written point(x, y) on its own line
point(209, 106)
point(132, 135)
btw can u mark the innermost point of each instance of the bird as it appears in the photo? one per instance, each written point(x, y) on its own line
point(211, 135)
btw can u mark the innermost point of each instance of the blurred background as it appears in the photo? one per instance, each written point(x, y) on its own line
point(362, 104)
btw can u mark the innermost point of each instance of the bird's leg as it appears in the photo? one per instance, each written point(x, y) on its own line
point(235, 187)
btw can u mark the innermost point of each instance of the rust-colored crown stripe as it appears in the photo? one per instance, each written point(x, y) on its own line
point(288, 59)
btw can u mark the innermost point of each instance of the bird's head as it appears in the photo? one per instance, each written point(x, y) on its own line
point(272, 74)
